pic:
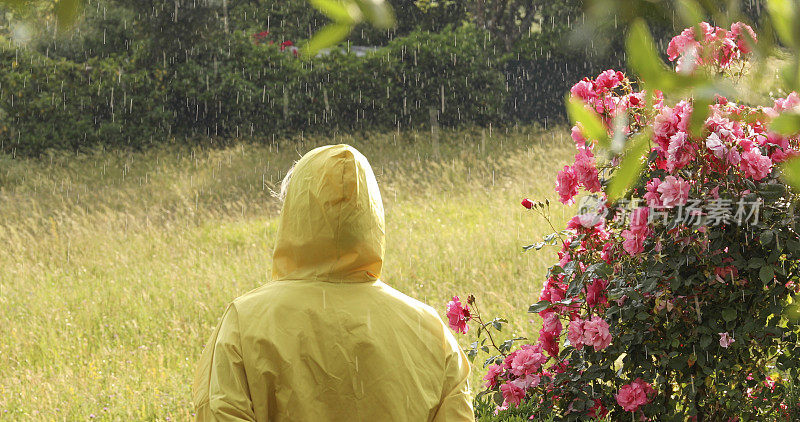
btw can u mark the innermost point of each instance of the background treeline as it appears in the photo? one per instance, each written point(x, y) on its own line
point(135, 73)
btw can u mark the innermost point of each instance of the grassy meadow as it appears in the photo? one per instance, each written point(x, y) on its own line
point(115, 266)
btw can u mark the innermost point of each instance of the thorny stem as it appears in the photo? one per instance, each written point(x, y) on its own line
point(550, 223)
point(484, 325)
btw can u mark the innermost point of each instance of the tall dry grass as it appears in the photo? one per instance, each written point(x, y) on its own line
point(114, 266)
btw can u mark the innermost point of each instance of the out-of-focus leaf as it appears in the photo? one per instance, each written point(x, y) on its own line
point(328, 36)
point(66, 12)
point(346, 14)
point(700, 111)
point(690, 12)
point(783, 14)
point(630, 167)
point(593, 127)
point(338, 11)
point(643, 58)
point(377, 12)
point(786, 124)
point(791, 172)
point(790, 75)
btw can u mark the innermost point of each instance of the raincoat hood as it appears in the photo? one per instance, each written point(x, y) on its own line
point(331, 226)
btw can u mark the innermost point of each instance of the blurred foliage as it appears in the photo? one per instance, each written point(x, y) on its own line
point(236, 88)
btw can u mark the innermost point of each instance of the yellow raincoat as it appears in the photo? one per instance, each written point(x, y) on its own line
point(327, 340)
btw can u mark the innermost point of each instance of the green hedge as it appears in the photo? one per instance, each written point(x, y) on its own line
point(47, 103)
point(236, 88)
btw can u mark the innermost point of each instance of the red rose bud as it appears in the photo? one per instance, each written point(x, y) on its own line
point(527, 203)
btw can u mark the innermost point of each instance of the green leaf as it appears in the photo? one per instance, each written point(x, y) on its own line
point(790, 75)
point(766, 237)
point(643, 58)
point(539, 307)
point(783, 14)
point(766, 273)
point(339, 11)
point(786, 124)
point(690, 12)
point(630, 166)
point(700, 112)
point(593, 127)
point(377, 12)
point(790, 170)
point(328, 36)
point(66, 12)
point(729, 314)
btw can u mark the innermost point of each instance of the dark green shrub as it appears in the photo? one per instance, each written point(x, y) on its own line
point(55, 103)
point(232, 87)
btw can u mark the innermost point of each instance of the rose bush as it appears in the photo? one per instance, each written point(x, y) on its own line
point(669, 302)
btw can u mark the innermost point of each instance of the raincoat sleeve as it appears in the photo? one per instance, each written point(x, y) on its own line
point(227, 395)
point(456, 404)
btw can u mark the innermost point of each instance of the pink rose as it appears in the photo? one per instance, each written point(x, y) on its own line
point(733, 157)
point(633, 243)
point(738, 29)
point(529, 381)
point(575, 333)
point(652, 196)
point(639, 221)
point(714, 143)
point(549, 342)
point(674, 191)
point(595, 333)
point(596, 292)
point(680, 152)
point(681, 43)
point(566, 184)
point(754, 165)
point(551, 324)
point(527, 361)
point(584, 221)
point(457, 316)
point(492, 373)
point(512, 393)
point(585, 170)
point(725, 340)
point(634, 395)
point(584, 90)
point(608, 79)
point(577, 136)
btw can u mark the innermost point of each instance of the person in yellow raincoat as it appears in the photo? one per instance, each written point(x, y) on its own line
point(327, 340)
